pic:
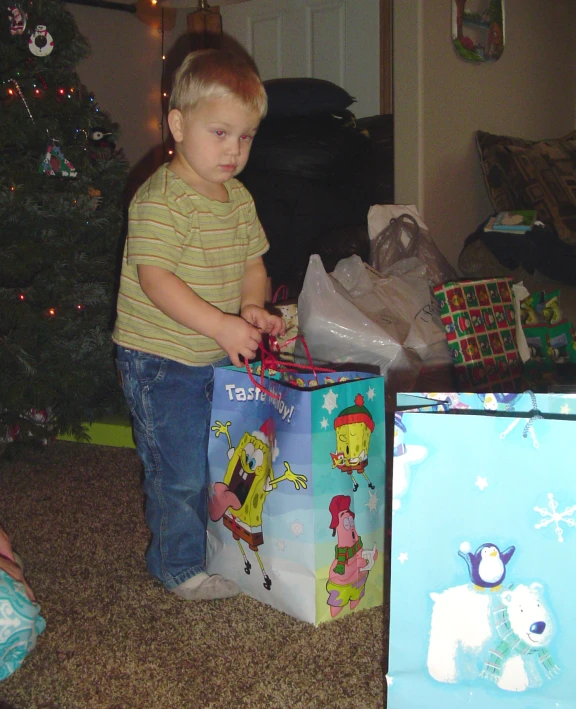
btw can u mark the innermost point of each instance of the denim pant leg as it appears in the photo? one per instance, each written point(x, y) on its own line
point(170, 405)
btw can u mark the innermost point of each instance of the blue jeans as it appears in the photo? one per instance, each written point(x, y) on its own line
point(170, 405)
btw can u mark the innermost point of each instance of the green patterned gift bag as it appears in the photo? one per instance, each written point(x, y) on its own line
point(480, 323)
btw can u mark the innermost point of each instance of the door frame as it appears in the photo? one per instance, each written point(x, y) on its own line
point(386, 58)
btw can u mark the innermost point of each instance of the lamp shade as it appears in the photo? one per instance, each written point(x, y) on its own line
point(193, 4)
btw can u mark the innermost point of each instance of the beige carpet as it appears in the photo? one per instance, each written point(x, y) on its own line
point(116, 640)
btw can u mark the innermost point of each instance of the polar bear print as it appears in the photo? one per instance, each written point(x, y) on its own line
point(404, 457)
point(502, 637)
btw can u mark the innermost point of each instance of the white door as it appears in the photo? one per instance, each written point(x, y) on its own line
point(337, 40)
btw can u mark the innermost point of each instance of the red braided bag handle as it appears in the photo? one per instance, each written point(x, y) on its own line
point(271, 360)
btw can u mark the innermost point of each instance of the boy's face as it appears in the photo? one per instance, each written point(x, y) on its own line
point(213, 142)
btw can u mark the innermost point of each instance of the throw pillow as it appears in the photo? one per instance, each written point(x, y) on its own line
point(305, 96)
point(530, 174)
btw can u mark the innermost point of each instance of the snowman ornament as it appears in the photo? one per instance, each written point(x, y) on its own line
point(41, 43)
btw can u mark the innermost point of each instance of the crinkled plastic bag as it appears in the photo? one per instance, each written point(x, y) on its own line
point(357, 317)
point(397, 232)
point(20, 624)
point(403, 295)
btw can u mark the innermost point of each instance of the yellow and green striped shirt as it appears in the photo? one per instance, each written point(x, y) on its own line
point(204, 242)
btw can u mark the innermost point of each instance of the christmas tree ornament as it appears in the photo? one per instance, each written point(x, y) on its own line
point(19, 90)
point(17, 19)
point(30, 64)
point(95, 198)
point(19, 432)
point(101, 144)
point(100, 138)
point(41, 43)
point(54, 163)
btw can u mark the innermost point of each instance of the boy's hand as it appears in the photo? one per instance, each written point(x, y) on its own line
point(263, 320)
point(238, 338)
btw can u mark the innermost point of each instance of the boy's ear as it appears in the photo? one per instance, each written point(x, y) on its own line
point(176, 124)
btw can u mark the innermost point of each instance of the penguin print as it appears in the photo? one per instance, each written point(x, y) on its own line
point(487, 565)
point(491, 402)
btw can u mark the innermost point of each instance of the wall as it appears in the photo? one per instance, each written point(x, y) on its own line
point(124, 68)
point(440, 101)
point(124, 72)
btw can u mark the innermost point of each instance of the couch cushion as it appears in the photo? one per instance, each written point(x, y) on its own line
point(305, 96)
point(530, 174)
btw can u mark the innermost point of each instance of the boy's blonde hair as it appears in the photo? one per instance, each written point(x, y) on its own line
point(213, 73)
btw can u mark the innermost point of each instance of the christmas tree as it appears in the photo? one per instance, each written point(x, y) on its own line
point(61, 228)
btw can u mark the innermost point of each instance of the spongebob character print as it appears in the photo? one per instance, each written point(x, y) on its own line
point(353, 426)
point(249, 478)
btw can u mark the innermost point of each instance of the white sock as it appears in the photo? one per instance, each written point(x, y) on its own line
point(203, 587)
point(194, 581)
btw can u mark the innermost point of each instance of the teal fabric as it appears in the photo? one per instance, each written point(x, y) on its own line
point(20, 624)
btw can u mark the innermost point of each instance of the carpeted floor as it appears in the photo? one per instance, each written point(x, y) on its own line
point(116, 640)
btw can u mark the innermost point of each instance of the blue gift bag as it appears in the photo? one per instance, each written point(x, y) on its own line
point(20, 624)
point(482, 610)
point(296, 490)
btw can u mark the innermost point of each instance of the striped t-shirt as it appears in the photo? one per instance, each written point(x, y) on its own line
point(204, 242)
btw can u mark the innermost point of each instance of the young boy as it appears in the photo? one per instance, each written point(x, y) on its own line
point(191, 298)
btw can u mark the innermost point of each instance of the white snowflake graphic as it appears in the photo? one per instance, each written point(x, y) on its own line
point(402, 557)
point(281, 545)
point(297, 528)
point(551, 515)
point(565, 409)
point(370, 393)
point(324, 423)
point(372, 503)
point(330, 401)
point(481, 483)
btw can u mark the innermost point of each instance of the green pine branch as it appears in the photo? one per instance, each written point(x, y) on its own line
point(61, 238)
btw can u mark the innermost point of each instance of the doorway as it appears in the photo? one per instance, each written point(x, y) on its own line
point(348, 42)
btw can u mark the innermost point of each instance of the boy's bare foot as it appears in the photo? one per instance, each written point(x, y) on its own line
point(203, 587)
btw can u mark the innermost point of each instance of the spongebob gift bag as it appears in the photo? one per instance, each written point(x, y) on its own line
point(482, 610)
point(296, 490)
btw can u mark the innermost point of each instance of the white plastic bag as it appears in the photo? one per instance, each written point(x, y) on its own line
point(404, 296)
point(337, 331)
